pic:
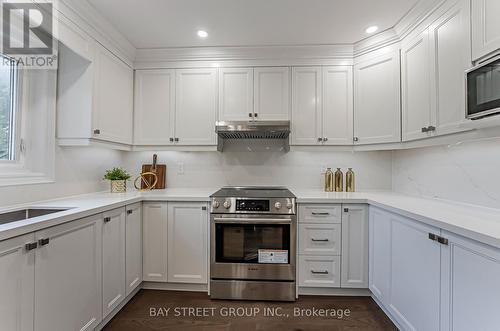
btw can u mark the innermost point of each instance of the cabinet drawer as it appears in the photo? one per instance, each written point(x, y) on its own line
point(316, 213)
point(319, 271)
point(320, 239)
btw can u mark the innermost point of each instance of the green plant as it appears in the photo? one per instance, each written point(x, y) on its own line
point(116, 174)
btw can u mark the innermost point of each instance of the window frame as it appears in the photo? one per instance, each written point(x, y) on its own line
point(14, 116)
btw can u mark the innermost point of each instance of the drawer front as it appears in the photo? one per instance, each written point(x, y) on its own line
point(319, 213)
point(320, 239)
point(319, 271)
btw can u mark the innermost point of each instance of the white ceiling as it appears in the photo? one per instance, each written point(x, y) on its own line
point(174, 23)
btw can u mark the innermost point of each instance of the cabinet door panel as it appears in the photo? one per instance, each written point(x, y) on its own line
point(113, 260)
point(196, 108)
point(17, 273)
point(416, 87)
point(272, 93)
point(415, 279)
point(155, 242)
point(133, 247)
point(380, 254)
point(470, 282)
point(337, 105)
point(306, 105)
point(320, 239)
point(113, 98)
point(354, 246)
point(235, 94)
point(68, 276)
point(450, 49)
point(377, 110)
point(485, 27)
point(187, 242)
point(319, 271)
point(154, 107)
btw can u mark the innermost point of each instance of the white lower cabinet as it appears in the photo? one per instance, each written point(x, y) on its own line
point(187, 242)
point(429, 279)
point(354, 246)
point(319, 271)
point(133, 247)
point(68, 276)
point(154, 239)
point(113, 260)
point(320, 239)
point(17, 272)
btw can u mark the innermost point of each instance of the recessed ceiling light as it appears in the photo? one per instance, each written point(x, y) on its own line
point(202, 34)
point(371, 29)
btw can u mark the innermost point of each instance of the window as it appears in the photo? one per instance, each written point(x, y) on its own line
point(8, 81)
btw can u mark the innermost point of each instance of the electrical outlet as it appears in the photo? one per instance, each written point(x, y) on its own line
point(180, 168)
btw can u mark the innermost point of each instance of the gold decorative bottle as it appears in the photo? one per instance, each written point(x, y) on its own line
point(329, 181)
point(350, 181)
point(339, 180)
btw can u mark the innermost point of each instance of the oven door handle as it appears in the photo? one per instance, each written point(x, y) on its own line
point(229, 220)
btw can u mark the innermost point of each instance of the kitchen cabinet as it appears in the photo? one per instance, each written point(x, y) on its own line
point(379, 257)
point(68, 276)
point(377, 110)
point(485, 28)
point(95, 98)
point(154, 107)
point(271, 93)
point(113, 260)
point(470, 284)
point(306, 106)
point(320, 239)
point(17, 278)
point(320, 213)
point(433, 66)
point(236, 94)
point(154, 242)
point(196, 106)
point(337, 119)
point(322, 109)
point(187, 233)
point(319, 271)
point(354, 268)
point(133, 247)
point(416, 90)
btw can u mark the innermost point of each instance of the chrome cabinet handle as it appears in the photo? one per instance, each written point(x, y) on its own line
point(320, 214)
point(319, 240)
point(324, 272)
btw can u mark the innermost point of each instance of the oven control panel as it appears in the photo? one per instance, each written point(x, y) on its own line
point(253, 206)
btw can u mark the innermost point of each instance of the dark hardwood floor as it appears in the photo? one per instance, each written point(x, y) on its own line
point(147, 311)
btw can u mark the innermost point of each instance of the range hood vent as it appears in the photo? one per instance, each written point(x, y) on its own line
point(270, 130)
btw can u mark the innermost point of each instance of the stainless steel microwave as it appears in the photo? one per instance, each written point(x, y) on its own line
point(483, 89)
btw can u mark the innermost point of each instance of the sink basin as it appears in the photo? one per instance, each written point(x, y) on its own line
point(24, 214)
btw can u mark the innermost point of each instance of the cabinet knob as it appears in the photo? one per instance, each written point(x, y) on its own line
point(203, 208)
point(325, 139)
point(130, 211)
point(31, 246)
point(255, 115)
point(346, 210)
point(356, 139)
point(107, 219)
point(431, 128)
point(97, 131)
point(250, 115)
point(320, 139)
point(44, 241)
point(171, 140)
point(176, 140)
point(424, 130)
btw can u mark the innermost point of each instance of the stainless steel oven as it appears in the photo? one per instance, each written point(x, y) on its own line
point(483, 89)
point(253, 244)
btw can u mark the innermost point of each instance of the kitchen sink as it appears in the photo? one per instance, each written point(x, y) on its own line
point(24, 214)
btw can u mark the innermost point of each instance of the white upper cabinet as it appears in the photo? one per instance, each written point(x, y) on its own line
point(416, 87)
point(485, 28)
point(450, 50)
point(306, 106)
point(337, 114)
point(196, 106)
point(377, 113)
point(154, 107)
point(113, 98)
point(271, 93)
point(236, 94)
point(17, 277)
point(187, 242)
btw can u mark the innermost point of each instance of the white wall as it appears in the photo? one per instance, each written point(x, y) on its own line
point(78, 171)
point(293, 169)
point(466, 172)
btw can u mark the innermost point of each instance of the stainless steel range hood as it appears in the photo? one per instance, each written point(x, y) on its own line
point(274, 130)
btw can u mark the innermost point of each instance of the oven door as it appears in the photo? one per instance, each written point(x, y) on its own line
point(483, 89)
point(256, 247)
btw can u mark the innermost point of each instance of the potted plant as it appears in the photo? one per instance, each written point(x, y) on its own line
point(118, 178)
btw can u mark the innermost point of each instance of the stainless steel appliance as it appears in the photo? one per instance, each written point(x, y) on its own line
point(253, 244)
point(483, 89)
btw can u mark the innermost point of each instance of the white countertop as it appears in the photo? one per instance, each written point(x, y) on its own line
point(475, 222)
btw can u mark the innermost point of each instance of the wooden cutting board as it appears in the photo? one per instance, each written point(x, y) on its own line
point(159, 169)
